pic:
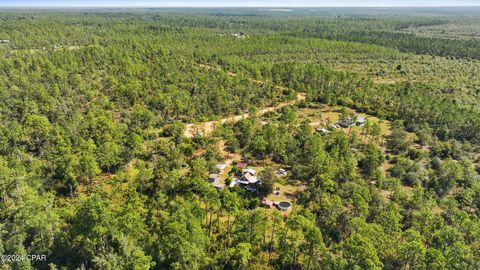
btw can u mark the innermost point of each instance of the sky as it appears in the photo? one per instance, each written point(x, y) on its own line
point(234, 3)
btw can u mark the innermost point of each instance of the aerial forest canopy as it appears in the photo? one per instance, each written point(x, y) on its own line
point(240, 139)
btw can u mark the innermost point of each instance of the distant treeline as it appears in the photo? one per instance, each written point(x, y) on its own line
point(459, 48)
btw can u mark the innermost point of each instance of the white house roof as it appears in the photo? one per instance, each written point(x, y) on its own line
point(250, 171)
point(213, 176)
point(243, 181)
point(323, 130)
point(281, 172)
point(221, 167)
point(250, 178)
point(219, 186)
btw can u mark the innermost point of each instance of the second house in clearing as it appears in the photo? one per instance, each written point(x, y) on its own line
point(248, 180)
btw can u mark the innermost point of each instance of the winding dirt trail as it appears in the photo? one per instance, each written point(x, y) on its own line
point(208, 127)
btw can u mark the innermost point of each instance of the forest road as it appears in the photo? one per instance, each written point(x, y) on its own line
point(208, 127)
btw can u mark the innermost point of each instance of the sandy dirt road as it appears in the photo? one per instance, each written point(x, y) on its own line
point(208, 127)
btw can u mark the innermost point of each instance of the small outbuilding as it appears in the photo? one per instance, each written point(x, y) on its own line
point(281, 172)
point(221, 167)
point(213, 177)
point(267, 203)
point(360, 121)
point(219, 186)
point(241, 165)
point(345, 123)
point(233, 183)
point(239, 35)
point(322, 130)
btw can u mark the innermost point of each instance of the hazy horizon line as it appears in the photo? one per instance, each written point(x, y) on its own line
point(226, 6)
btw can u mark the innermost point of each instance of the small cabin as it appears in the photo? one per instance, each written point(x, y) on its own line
point(233, 183)
point(322, 130)
point(360, 121)
point(219, 186)
point(213, 177)
point(239, 35)
point(247, 179)
point(267, 203)
point(281, 172)
point(345, 123)
point(221, 167)
point(242, 166)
